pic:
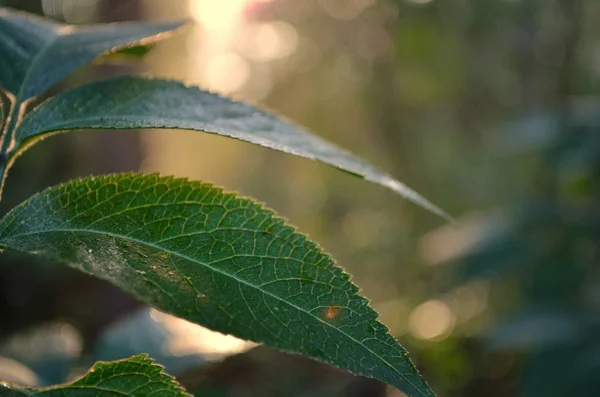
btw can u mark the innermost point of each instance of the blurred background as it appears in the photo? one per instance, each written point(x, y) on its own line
point(489, 108)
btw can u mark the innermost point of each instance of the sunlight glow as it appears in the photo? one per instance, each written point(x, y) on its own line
point(275, 40)
point(229, 51)
point(190, 338)
point(217, 15)
point(220, 15)
point(227, 73)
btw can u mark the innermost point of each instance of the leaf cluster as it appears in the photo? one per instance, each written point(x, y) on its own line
point(187, 248)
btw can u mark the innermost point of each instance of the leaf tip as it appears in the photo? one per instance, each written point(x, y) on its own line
point(411, 195)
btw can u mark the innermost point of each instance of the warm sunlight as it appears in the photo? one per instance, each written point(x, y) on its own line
point(188, 338)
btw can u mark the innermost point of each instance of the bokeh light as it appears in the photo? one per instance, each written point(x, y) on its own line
point(270, 40)
point(227, 72)
point(432, 320)
point(217, 15)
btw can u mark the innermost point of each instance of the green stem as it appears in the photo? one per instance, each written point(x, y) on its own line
point(8, 143)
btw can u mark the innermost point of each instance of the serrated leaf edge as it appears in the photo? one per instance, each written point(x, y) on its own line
point(330, 263)
point(379, 177)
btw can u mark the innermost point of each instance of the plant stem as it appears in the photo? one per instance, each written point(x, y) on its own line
point(7, 142)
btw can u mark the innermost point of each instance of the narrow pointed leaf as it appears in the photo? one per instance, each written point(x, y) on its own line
point(35, 53)
point(213, 258)
point(136, 102)
point(137, 376)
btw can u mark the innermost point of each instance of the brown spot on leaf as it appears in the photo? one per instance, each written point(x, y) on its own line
point(332, 312)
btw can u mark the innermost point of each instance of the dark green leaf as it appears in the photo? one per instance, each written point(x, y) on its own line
point(35, 54)
point(136, 102)
point(225, 262)
point(132, 377)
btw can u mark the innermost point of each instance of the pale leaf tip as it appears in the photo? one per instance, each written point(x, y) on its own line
point(415, 197)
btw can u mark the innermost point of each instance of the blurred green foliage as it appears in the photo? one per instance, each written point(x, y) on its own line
point(548, 258)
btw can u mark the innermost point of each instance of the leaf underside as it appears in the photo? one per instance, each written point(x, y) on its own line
point(36, 53)
point(213, 258)
point(137, 376)
point(137, 102)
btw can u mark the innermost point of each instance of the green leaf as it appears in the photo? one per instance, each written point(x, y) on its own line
point(35, 53)
point(213, 258)
point(132, 377)
point(136, 102)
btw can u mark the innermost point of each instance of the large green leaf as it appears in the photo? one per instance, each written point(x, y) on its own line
point(136, 102)
point(225, 262)
point(35, 54)
point(137, 376)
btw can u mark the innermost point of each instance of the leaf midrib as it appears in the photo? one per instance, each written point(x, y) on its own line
point(45, 48)
point(63, 126)
point(232, 276)
point(93, 387)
